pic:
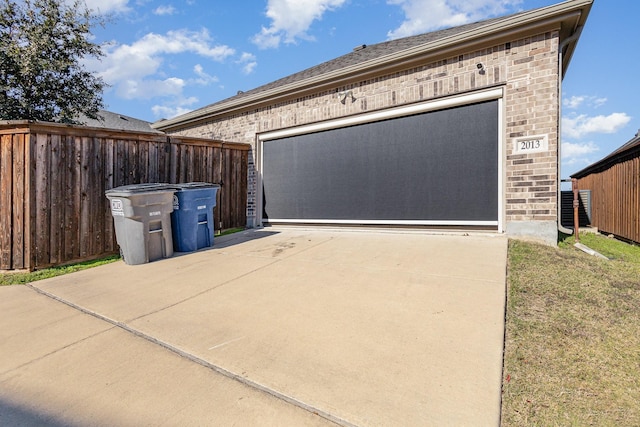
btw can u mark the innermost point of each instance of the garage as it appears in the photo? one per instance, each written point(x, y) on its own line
point(457, 128)
point(433, 164)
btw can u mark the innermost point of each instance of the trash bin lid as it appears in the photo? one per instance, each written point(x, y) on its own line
point(194, 185)
point(125, 190)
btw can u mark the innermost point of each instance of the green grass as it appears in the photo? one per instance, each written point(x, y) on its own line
point(231, 231)
point(609, 247)
point(572, 350)
point(28, 277)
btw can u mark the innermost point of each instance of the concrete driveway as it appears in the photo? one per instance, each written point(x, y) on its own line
point(279, 326)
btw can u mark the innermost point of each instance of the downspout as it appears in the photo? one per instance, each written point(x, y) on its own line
point(575, 36)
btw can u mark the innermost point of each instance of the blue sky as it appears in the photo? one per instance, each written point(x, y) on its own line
point(164, 58)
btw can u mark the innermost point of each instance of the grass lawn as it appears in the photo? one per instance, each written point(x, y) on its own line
point(572, 351)
point(20, 278)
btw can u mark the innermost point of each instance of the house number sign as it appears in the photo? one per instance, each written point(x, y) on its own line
point(531, 144)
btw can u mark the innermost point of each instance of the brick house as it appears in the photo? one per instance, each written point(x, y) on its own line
point(457, 128)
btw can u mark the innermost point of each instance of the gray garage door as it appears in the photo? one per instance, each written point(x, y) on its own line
point(439, 167)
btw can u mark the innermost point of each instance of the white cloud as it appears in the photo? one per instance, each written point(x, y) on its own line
point(203, 79)
point(291, 19)
point(248, 62)
point(598, 102)
point(572, 150)
point(249, 67)
point(108, 6)
point(138, 71)
point(165, 10)
point(577, 101)
point(573, 102)
point(422, 16)
point(147, 89)
point(174, 108)
point(578, 155)
point(127, 64)
point(577, 126)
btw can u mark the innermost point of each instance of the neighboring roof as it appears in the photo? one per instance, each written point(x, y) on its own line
point(631, 148)
point(117, 121)
point(365, 59)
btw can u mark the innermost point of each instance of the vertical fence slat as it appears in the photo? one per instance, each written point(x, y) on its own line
point(217, 178)
point(119, 169)
point(72, 199)
point(86, 174)
point(19, 200)
point(143, 161)
point(244, 193)
point(153, 162)
point(6, 205)
point(133, 162)
point(174, 163)
point(99, 202)
point(56, 233)
point(109, 168)
point(43, 200)
point(227, 207)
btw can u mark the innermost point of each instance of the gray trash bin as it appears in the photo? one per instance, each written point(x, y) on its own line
point(142, 218)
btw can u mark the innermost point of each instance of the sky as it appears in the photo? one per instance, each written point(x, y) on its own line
point(165, 58)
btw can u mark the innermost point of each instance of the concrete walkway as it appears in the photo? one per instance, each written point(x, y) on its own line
point(280, 326)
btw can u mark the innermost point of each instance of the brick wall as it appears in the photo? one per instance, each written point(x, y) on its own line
point(526, 68)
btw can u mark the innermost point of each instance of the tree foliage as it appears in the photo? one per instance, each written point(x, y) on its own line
point(42, 47)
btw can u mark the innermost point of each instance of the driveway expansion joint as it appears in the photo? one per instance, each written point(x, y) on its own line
point(195, 359)
point(275, 261)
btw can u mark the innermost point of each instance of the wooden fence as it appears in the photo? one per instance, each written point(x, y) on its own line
point(615, 198)
point(53, 210)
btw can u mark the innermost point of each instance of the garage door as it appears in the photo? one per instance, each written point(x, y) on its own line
point(434, 168)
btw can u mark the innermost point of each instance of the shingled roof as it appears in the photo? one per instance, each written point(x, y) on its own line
point(360, 55)
point(373, 57)
point(110, 120)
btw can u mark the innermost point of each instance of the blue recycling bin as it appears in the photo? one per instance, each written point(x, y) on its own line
point(192, 216)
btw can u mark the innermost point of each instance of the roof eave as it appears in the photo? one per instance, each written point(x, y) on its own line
point(627, 149)
point(570, 15)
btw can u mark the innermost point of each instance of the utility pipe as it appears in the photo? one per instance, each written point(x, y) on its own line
point(575, 36)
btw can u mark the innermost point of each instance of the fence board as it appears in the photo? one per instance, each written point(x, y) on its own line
point(173, 168)
point(18, 202)
point(56, 233)
point(72, 199)
point(6, 205)
point(133, 163)
point(30, 160)
point(152, 175)
point(143, 162)
point(43, 200)
point(615, 192)
point(53, 178)
point(99, 202)
point(109, 158)
point(227, 180)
